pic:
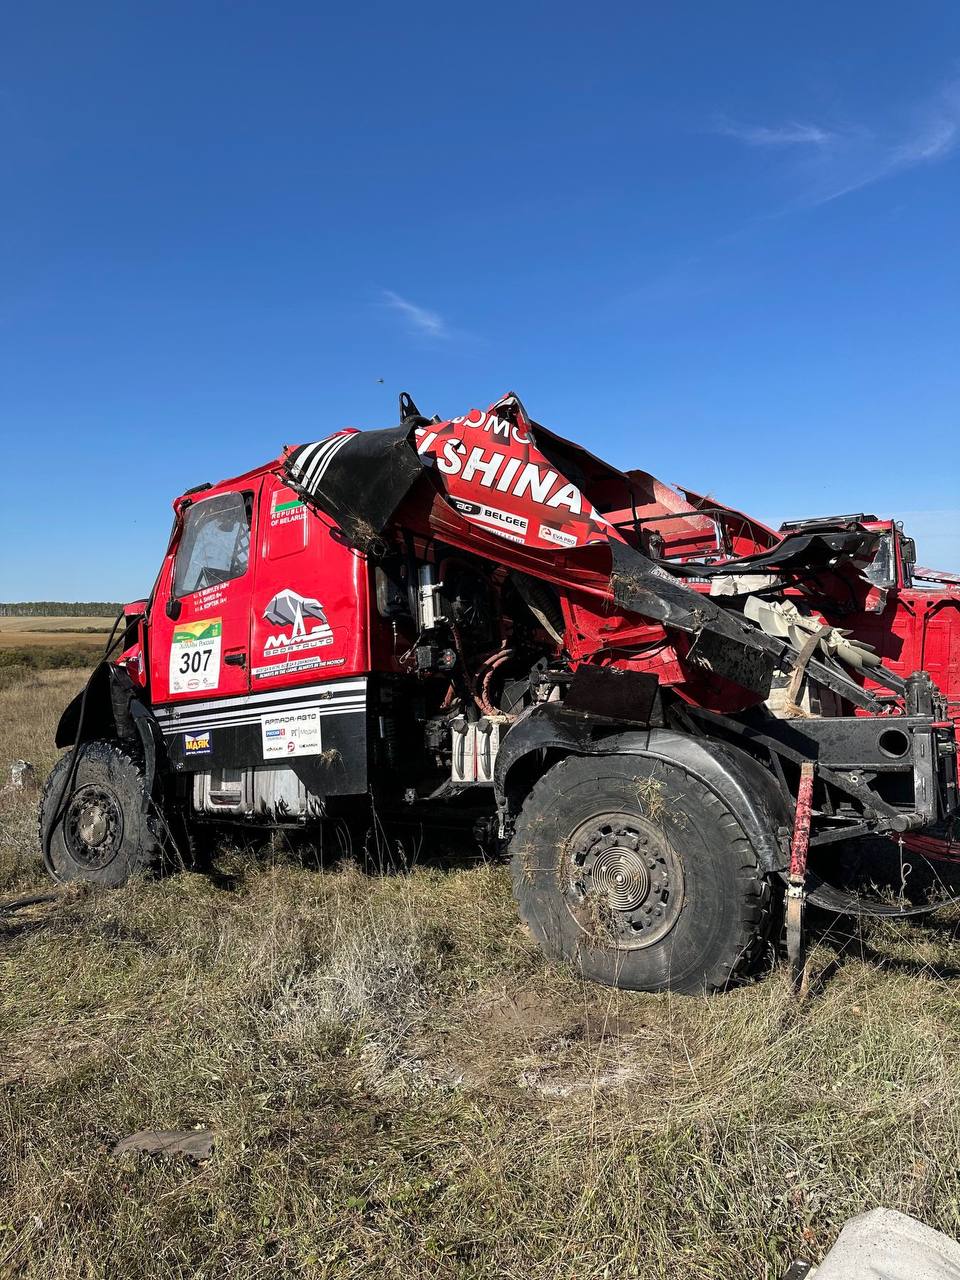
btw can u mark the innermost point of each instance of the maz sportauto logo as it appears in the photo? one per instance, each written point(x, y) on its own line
point(290, 609)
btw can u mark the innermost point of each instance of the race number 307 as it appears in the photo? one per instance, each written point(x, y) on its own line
point(195, 656)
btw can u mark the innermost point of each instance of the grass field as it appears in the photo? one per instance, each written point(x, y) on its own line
point(42, 644)
point(20, 632)
point(30, 644)
point(402, 1087)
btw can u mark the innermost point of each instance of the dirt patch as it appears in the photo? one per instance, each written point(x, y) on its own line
point(510, 1039)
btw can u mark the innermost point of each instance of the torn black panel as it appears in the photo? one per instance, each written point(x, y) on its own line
point(748, 667)
point(798, 552)
point(358, 478)
point(639, 586)
point(736, 650)
point(611, 694)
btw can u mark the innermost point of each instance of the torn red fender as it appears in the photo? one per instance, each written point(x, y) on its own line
point(495, 483)
point(495, 476)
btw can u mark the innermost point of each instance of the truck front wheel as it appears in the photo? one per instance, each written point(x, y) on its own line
point(99, 828)
point(631, 869)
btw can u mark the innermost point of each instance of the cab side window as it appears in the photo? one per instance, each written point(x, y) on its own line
point(215, 545)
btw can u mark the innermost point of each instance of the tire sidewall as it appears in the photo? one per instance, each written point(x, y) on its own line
point(690, 817)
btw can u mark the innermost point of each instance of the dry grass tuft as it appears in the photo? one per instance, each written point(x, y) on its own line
point(401, 1086)
point(650, 798)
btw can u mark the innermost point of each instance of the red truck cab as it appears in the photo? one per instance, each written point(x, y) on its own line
point(917, 622)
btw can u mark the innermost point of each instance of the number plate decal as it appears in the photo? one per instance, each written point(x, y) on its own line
point(195, 656)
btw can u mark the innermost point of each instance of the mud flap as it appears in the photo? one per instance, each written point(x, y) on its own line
point(820, 893)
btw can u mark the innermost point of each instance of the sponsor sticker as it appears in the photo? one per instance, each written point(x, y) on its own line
point(292, 666)
point(491, 515)
point(195, 655)
point(197, 744)
point(291, 733)
point(557, 536)
point(306, 619)
point(286, 510)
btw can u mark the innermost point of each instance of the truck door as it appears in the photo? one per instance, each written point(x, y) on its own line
point(310, 598)
point(202, 650)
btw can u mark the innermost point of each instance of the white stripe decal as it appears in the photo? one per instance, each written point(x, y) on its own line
point(306, 472)
point(321, 470)
point(171, 731)
point(316, 462)
point(253, 714)
point(190, 713)
point(306, 456)
point(214, 717)
point(321, 692)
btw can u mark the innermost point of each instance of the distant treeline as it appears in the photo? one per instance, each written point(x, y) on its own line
point(61, 609)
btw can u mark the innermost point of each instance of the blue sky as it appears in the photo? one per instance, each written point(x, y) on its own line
point(719, 242)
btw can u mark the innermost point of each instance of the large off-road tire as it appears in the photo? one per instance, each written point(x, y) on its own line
point(101, 830)
point(635, 872)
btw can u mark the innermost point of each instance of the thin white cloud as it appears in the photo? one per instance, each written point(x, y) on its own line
point(830, 163)
point(785, 135)
point(419, 318)
point(937, 139)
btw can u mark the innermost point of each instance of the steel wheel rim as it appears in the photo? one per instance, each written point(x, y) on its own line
point(622, 881)
point(93, 826)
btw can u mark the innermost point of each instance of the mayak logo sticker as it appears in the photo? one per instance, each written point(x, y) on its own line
point(196, 744)
point(290, 609)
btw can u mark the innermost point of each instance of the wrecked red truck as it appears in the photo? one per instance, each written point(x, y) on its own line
point(654, 706)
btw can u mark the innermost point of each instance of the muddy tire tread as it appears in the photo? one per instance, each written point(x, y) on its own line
point(753, 888)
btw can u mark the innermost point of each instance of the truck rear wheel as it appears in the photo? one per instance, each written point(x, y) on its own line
point(98, 830)
point(631, 869)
